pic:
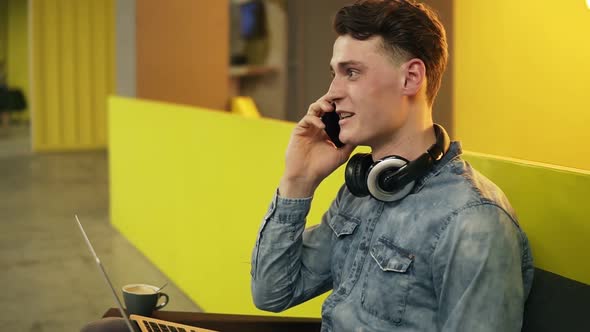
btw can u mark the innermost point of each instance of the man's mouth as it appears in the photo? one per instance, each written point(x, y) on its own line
point(344, 115)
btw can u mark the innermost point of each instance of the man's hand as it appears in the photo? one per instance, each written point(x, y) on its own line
point(311, 156)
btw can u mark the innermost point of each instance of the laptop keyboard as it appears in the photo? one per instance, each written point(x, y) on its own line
point(153, 327)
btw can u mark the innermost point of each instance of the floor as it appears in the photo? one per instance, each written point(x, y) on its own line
point(49, 280)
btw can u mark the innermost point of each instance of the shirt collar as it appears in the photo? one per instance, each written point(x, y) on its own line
point(455, 150)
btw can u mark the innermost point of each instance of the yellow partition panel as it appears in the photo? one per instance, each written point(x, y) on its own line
point(521, 79)
point(72, 58)
point(189, 187)
point(551, 206)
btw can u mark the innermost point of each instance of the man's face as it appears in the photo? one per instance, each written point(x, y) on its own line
point(366, 90)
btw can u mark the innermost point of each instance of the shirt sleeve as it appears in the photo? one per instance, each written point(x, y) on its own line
point(478, 273)
point(290, 264)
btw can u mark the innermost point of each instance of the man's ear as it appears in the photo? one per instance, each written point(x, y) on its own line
point(415, 76)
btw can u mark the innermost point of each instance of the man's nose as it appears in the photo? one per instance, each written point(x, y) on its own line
point(335, 92)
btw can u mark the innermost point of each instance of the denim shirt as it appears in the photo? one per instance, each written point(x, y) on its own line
point(450, 256)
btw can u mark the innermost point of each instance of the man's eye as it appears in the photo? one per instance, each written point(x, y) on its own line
point(351, 73)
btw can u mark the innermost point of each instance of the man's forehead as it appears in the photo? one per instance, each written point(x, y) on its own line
point(348, 50)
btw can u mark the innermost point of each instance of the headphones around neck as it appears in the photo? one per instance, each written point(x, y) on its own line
point(393, 177)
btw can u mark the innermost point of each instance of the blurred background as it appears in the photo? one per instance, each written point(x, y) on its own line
point(517, 86)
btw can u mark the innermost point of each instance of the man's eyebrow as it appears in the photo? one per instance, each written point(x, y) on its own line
point(344, 64)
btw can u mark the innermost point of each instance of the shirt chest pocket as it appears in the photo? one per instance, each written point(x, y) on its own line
point(344, 227)
point(387, 283)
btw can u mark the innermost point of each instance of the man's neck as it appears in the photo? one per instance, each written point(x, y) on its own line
point(411, 140)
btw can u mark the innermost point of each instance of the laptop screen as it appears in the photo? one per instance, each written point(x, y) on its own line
point(106, 277)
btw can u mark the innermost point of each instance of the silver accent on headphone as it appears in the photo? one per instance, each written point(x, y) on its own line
point(373, 180)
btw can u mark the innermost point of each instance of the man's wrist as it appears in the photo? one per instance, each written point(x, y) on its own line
point(289, 188)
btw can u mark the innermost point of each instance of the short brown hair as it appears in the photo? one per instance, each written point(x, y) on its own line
point(408, 29)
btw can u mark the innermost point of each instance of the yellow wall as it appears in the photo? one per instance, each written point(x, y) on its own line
point(3, 31)
point(522, 78)
point(17, 55)
point(72, 72)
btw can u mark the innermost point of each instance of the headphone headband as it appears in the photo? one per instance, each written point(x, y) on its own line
point(415, 168)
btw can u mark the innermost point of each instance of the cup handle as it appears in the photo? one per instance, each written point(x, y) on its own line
point(163, 304)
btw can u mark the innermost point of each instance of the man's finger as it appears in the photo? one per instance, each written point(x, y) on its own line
point(315, 110)
point(312, 120)
point(320, 107)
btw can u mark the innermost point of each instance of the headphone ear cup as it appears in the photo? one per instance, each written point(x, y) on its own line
point(356, 172)
point(394, 168)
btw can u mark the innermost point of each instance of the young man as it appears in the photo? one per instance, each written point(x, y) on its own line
point(416, 240)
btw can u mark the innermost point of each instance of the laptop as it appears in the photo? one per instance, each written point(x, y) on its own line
point(136, 323)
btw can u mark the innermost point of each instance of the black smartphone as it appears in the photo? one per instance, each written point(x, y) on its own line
point(330, 119)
